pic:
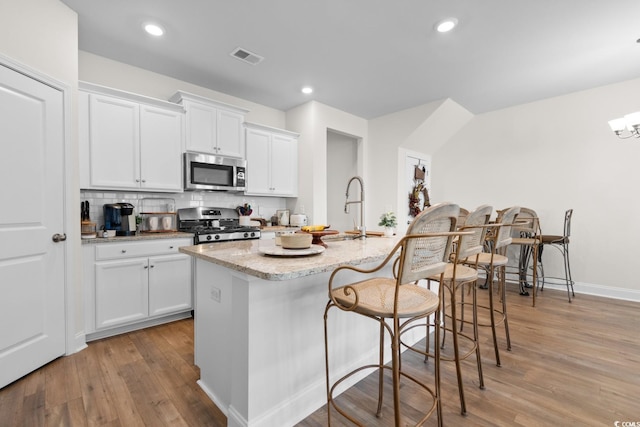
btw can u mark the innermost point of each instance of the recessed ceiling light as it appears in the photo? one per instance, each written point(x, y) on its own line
point(446, 25)
point(154, 29)
point(307, 90)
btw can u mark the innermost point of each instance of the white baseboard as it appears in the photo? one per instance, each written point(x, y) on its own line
point(77, 343)
point(599, 290)
point(105, 333)
point(213, 397)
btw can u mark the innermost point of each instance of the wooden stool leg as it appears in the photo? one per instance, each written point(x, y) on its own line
point(504, 306)
point(492, 316)
point(476, 334)
point(380, 372)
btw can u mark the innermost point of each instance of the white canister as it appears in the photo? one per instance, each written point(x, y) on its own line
point(153, 223)
point(298, 220)
point(167, 222)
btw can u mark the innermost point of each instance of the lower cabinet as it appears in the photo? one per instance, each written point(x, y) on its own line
point(130, 285)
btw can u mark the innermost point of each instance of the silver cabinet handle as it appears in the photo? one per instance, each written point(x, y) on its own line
point(146, 266)
point(59, 237)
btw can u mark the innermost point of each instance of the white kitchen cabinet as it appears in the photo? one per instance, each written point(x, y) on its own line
point(129, 142)
point(169, 284)
point(161, 141)
point(212, 127)
point(135, 284)
point(272, 161)
point(121, 291)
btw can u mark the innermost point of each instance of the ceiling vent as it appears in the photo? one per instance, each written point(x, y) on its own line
point(246, 56)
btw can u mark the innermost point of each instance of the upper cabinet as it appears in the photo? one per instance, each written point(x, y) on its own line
point(212, 127)
point(272, 161)
point(128, 141)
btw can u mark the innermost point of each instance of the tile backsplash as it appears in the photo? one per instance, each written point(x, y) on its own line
point(262, 207)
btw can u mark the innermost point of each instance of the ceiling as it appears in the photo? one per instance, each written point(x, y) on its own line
point(374, 57)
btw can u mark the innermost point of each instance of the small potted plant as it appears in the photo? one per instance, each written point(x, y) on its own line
point(389, 221)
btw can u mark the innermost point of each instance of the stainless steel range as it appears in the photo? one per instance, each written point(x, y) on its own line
point(214, 225)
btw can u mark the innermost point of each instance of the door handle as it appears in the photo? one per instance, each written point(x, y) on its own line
point(59, 237)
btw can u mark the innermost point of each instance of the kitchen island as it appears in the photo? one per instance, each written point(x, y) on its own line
point(259, 340)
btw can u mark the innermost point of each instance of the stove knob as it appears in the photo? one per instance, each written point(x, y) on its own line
point(253, 234)
point(217, 237)
point(246, 235)
point(209, 237)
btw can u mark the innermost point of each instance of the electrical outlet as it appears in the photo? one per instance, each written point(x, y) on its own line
point(216, 294)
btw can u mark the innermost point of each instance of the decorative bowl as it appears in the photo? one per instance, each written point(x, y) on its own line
point(296, 241)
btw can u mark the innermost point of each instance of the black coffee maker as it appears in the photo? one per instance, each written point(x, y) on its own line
point(119, 217)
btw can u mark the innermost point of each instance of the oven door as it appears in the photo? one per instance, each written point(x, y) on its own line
point(213, 173)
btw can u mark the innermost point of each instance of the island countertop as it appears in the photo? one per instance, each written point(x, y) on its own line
point(245, 256)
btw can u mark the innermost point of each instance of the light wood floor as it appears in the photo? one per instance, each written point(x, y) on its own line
point(571, 364)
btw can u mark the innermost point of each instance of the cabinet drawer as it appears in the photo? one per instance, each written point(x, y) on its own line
point(138, 249)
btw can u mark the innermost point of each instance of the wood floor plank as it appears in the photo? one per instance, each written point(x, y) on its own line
point(176, 376)
point(151, 401)
point(12, 403)
point(111, 362)
point(97, 399)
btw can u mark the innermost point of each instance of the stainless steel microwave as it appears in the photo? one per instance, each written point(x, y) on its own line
point(213, 173)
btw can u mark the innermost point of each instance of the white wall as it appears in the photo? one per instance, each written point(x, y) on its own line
point(553, 155)
point(42, 35)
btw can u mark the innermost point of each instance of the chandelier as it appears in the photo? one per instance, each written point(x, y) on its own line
point(627, 126)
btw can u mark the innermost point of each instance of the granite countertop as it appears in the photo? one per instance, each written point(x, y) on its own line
point(244, 256)
point(139, 237)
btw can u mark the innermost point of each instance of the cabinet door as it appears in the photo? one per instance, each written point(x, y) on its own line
point(169, 284)
point(230, 135)
point(284, 165)
point(121, 292)
point(258, 153)
point(160, 149)
point(114, 139)
point(201, 127)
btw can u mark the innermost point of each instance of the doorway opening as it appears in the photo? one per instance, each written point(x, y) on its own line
point(342, 164)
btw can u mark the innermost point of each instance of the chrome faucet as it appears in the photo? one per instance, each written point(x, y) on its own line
point(362, 228)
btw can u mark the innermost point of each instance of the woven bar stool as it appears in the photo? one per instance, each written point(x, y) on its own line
point(458, 278)
point(396, 302)
point(495, 262)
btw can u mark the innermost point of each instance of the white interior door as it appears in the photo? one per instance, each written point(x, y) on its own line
point(32, 297)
